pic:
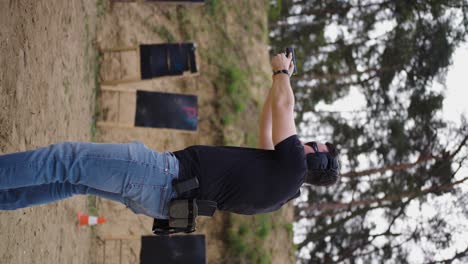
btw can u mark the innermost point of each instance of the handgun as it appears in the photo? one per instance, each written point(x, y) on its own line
point(291, 50)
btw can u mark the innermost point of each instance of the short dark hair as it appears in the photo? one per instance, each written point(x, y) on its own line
point(323, 168)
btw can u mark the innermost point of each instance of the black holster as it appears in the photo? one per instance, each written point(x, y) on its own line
point(183, 212)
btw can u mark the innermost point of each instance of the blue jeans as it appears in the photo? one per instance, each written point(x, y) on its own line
point(128, 173)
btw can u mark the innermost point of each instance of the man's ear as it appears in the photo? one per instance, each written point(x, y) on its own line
point(307, 149)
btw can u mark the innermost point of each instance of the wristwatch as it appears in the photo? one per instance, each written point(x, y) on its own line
point(281, 71)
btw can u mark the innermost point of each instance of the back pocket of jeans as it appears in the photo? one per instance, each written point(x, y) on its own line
point(147, 199)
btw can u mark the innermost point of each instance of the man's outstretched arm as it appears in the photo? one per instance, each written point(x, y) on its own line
point(282, 100)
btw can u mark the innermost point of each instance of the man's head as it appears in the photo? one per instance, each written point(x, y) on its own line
point(323, 166)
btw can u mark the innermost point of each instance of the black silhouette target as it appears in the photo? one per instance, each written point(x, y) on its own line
point(166, 110)
point(158, 60)
point(173, 249)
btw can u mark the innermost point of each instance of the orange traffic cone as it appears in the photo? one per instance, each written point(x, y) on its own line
point(89, 220)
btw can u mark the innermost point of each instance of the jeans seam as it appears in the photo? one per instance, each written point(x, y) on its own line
point(149, 185)
point(28, 164)
point(108, 158)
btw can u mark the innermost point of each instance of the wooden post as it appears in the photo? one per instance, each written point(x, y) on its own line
point(120, 49)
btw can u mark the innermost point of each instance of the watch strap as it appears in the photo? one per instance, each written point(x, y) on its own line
point(281, 71)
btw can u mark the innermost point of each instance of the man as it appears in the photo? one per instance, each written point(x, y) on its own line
point(240, 180)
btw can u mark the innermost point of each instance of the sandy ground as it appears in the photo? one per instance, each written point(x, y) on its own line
point(45, 80)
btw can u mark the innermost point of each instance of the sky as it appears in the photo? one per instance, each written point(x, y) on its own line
point(456, 101)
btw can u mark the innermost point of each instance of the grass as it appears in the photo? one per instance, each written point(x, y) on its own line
point(96, 89)
point(236, 87)
point(184, 22)
point(101, 7)
point(249, 237)
point(259, 255)
point(213, 6)
point(232, 85)
point(90, 65)
point(264, 226)
point(92, 71)
point(66, 89)
point(228, 119)
point(160, 30)
point(66, 86)
point(251, 139)
point(92, 205)
point(289, 228)
point(246, 237)
point(164, 33)
point(237, 244)
point(87, 49)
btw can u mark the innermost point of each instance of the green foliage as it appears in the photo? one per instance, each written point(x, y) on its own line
point(274, 10)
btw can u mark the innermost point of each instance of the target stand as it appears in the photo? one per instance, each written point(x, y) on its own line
point(168, 60)
point(132, 108)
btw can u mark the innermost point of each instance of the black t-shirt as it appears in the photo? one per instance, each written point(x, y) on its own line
point(246, 180)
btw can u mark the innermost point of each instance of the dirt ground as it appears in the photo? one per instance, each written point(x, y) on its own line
point(47, 94)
